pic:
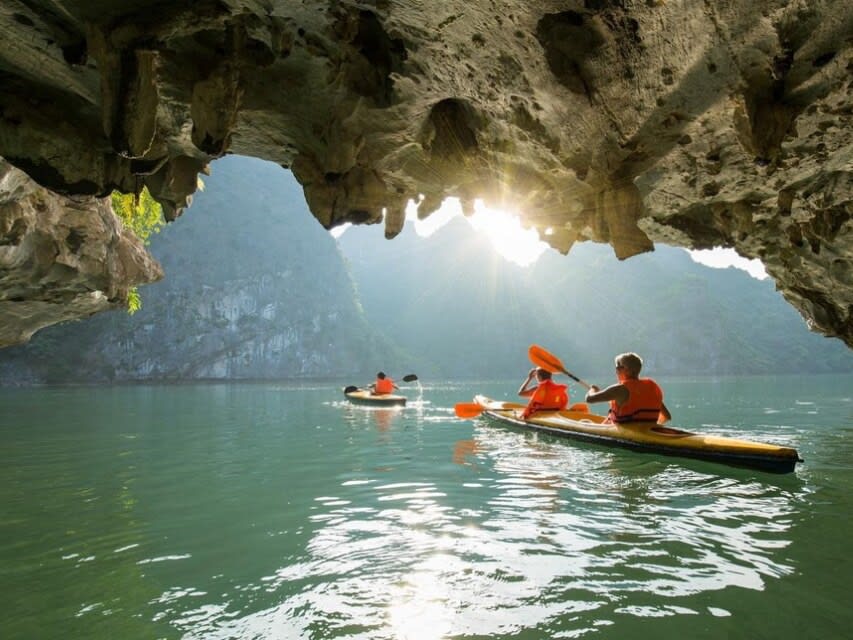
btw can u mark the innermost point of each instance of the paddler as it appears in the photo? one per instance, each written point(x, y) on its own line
point(545, 396)
point(383, 385)
point(632, 398)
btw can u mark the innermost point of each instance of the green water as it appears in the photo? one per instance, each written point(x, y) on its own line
point(269, 511)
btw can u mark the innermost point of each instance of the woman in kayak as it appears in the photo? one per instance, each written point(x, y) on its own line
point(632, 399)
point(545, 396)
point(383, 384)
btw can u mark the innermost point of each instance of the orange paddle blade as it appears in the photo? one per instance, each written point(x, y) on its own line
point(468, 409)
point(544, 359)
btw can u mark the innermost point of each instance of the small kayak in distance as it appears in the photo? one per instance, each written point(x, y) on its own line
point(645, 436)
point(366, 396)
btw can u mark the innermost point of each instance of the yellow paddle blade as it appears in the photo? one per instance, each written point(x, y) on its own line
point(468, 409)
point(544, 359)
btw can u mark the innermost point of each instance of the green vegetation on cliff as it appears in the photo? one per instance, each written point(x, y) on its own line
point(143, 215)
point(140, 213)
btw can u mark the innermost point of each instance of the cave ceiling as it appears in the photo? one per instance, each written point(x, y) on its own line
point(695, 124)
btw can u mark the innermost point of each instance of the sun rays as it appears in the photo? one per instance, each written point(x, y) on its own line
point(502, 228)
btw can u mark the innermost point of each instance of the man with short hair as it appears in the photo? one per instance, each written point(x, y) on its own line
point(632, 398)
point(383, 385)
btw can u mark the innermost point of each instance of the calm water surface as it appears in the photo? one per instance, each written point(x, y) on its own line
point(263, 511)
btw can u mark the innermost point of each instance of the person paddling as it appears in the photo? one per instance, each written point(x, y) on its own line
point(545, 396)
point(632, 399)
point(383, 384)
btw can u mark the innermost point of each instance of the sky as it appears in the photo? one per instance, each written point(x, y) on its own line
point(720, 258)
point(523, 246)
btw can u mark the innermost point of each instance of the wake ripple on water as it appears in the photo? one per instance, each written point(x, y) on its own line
point(548, 536)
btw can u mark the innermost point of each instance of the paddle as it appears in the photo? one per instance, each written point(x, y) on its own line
point(548, 361)
point(468, 409)
point(409, 378)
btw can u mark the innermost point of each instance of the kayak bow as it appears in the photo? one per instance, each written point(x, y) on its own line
point(366, 397)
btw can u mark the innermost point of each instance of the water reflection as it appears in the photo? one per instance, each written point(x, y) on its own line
point(384, 418)
point(464, 452)
point(653, 528)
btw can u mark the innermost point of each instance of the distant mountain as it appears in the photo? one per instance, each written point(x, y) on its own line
point(254, 288)
point(452, 301)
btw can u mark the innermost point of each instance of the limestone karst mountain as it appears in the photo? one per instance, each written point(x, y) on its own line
point(255, 289)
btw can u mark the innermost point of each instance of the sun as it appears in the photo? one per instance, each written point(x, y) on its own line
point(511, 240)
point(502, 228)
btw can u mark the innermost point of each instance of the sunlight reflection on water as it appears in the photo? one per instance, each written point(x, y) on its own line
point(547, 532)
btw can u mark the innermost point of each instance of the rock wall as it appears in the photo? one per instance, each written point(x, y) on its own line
point(692, 123)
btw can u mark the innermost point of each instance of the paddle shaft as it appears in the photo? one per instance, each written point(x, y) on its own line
point(576, 379)
point(409, 378)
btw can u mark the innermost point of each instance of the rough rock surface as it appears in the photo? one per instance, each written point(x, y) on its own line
point(692, 123)
point(61, 257)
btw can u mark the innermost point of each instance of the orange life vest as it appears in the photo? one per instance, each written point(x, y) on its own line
point(548, 396)
point(644, 403)
point(384, 385)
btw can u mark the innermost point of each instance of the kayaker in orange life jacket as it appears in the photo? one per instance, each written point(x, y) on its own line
point(632, 399)
point(545, 396)
point(383, 384)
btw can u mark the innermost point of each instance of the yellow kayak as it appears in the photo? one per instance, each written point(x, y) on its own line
point(366, 396)
point(645, 436)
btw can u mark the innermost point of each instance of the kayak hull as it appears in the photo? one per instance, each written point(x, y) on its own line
point(645, 437)
point(365, 397)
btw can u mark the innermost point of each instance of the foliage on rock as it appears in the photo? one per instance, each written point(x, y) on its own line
point(140, 213)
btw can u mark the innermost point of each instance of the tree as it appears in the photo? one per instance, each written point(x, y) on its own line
point(143, 215)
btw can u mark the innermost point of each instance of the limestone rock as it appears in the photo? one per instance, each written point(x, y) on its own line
point(621, 121)
point(61, 257)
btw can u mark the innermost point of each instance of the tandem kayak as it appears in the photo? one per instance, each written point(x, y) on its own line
point(366, 396)
point(645, 436)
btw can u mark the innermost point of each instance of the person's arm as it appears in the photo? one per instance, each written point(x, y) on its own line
point(665, 416)
point(617, 392)
point(523, 391)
